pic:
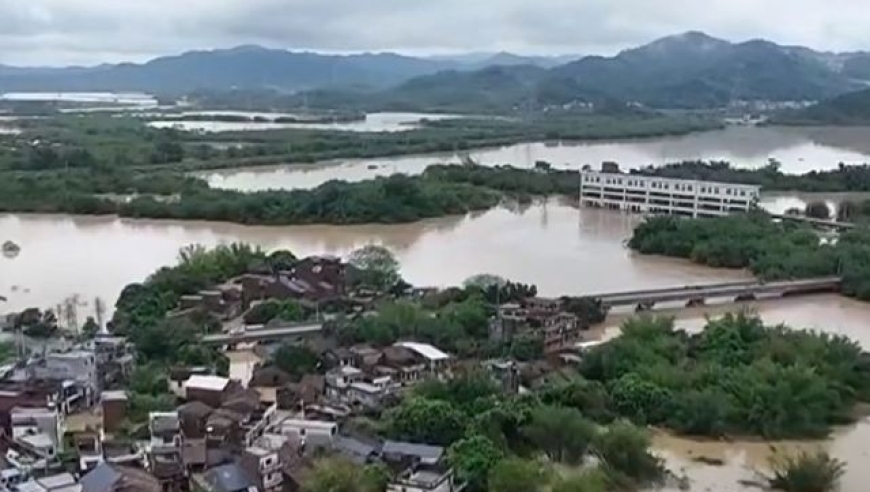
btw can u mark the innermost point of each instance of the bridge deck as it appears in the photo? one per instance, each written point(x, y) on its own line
point(259, 334)
point(810, 220)
point(684, 288)
point(719, 290)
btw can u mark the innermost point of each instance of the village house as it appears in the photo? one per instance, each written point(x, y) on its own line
point(560, 330)
point(114, 478)
point(311, 433)
point(224, 301)
point(418, 468)
point(167, 466)
point(208, 389)
point(114, 405)
point(62, 482)
point(263, 465)
point(193, 419)
point(225, 478)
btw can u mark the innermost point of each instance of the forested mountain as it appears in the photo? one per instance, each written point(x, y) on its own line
point(848, 109)
point(690, 70)
point(248, 67)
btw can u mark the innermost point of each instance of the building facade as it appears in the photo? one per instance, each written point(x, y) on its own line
point(646, 194)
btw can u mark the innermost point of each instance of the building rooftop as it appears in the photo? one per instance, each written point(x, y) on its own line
point(101, 479)
point(425, 452)
point(425, 350)
point(37, 441)
point(210, 383)
point(228, 478)
point(118, 395)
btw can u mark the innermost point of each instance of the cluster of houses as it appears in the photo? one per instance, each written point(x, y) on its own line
point(312, 281)
point(226, 436)
point(63, 429)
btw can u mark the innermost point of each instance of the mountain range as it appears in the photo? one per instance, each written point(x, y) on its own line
point(689, 70)
point(251, 67)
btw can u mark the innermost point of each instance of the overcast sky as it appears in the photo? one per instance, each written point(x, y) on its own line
point(59, 32)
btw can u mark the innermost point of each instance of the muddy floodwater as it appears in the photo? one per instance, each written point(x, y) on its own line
point(829, 313)
point(798, 150)
point(553, 244)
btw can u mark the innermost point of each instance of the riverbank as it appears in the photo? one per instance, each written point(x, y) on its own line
point(771, 250)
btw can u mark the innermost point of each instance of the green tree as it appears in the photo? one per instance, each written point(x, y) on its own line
point(90, 328)
point(818, 210)
point(593, 480)
point(473, 457)
point(426, 421)
point(517, 475)
point(340, 475)
point(805, 472)
point(377, 266)
point(296, 360)
point(563, 434)
point(281, 260)
point(484, 281)
point(624, 451)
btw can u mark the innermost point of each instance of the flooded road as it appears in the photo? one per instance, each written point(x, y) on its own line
point(797, 149)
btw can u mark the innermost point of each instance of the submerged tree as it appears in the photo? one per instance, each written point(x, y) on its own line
point(805, 472)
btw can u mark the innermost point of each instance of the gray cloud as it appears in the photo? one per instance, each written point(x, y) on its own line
point(90, 31)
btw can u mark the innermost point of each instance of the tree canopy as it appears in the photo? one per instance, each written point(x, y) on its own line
point(737, 376)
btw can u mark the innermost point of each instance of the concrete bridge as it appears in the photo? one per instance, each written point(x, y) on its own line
point(833, 224)
point(697, 295)
point(262, 333)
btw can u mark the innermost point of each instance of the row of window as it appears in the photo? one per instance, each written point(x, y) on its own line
point(664, 185)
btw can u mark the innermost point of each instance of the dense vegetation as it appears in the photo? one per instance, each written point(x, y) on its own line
point(769, 177)
point(103, 142)
point(805, 472)
point(849, 109)
point(505, 443)
point(736, 377)
point(771, 250)
point(441, 190)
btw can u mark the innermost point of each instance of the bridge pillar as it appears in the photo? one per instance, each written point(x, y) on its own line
point(745, 297)
point(695, 302)
point(644, 306)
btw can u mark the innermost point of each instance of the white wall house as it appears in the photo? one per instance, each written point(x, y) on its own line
point(645, 194)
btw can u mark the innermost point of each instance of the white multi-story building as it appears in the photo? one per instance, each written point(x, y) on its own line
point(646, 194)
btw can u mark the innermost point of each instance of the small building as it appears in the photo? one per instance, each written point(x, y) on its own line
point(193, 417)
point(114, 405)
point(263, 465)
point(397, 452)
point(211, 390)
point(79, 366)
point(226, 478)
point(165, 429)
point(315, 433)
point(435, 360)
point(62, 482)
point(113, 478)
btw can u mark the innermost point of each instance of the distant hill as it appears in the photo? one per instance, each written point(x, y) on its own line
point(248, 67)
point(848, 109)
point(241, 67)
point(690, 70)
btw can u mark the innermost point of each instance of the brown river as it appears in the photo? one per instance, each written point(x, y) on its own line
point(552, 244)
